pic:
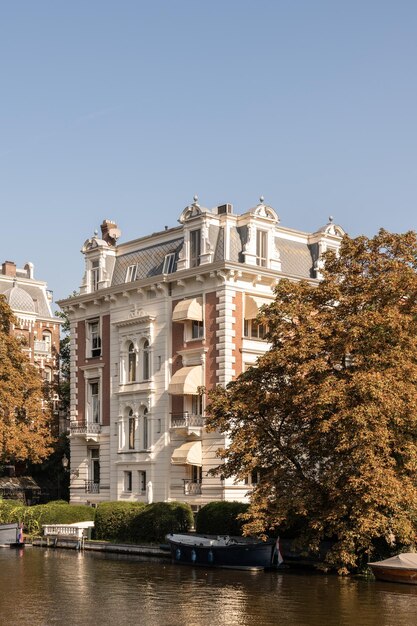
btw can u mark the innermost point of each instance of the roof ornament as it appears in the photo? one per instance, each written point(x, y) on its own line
point(331, 218)
point(195, 203)
point(261, 199)
point(95, 233)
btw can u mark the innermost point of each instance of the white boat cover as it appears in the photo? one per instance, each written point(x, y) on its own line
point(406, 560)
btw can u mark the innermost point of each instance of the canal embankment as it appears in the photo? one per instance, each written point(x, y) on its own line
point(70, 543)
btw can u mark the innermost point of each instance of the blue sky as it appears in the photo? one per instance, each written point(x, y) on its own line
point(126, 109)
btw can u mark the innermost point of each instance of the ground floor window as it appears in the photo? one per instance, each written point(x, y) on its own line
point(127, 482)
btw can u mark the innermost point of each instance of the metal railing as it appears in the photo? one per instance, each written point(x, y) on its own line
point(191, 488)
point(91, 486)
point(186, 419)
point(88, 428)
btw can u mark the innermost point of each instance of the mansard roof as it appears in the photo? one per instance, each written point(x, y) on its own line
point(149, 260)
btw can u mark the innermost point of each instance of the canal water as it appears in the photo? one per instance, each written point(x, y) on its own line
point(40, 587)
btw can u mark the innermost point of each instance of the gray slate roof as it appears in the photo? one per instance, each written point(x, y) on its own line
point(150, 261)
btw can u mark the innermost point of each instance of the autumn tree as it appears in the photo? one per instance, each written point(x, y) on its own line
point(24, 426)
point(329, 415)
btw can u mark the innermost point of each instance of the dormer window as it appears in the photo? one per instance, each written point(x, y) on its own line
point(195, 247)
point(131, 273)
point(94, 275)
point(261, 247)
point(169, 263)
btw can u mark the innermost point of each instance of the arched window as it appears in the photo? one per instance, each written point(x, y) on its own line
point(131, 363)
point(145, 429)
point(146, 360)
point(132, 428)
point(47, 339)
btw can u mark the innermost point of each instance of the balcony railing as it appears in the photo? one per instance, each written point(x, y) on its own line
point(185, 420)
point(191, 488)
point(91, 486)
point(88, 428)
point(42, 346)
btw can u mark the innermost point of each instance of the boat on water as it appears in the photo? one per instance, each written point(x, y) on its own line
point(11, 535)
point(397, 569)
point(222, 551)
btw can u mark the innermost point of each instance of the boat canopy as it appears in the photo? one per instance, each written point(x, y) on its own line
point(406, 560)
point(188, 453)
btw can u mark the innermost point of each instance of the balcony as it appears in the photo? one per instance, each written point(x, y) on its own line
point(42, 347)
point(89, 430)
point(91, 486)
point(187, 422)
point(191, 488)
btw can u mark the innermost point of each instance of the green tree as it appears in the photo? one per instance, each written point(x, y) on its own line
point(25, 433)
point(329, 415)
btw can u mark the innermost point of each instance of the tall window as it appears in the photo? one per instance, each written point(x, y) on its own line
point(146, 360)
point(94, 454)
point(94, 339)
point(197, 405)
point(95, 275)
point(261, 247)
point(94, 397)
point(127, 481)
point(132, 425)
point(195, 247)
point(132, 363)
point(254, 330)
point(142, 481)
point(47, 339)
point(145, 429)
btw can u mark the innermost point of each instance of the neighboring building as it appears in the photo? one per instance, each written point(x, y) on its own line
point(158, 320)
point(36, 327)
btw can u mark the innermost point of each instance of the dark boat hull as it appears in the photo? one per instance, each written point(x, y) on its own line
point(395, 575)
point(239, 556)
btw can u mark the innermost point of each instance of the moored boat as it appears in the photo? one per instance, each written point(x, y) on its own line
point(401, 568)
point(221, 551)
point(11, 535)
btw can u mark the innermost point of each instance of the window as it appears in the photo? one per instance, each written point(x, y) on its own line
point(128, 481)
point(95, 275)
point(47, 374)
point(142, 482)
point(94, 468)
point(253, 478)
point(195, 247)
point(254, 330)
point(131, 273)
point(47, 339)
point(261, 247)
point(132, 427)
point(145, 429)
point(94, 339)
point(94, 402)
point(197, 405)
point(169, 263)
point(197, 329)
point(196, 474)
point(131, 363)
point(146, 360)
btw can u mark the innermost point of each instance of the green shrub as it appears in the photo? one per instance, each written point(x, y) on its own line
point(52, 513)
point(220, 518)
point(11, 511)
point(159, 519)
point(112, 521)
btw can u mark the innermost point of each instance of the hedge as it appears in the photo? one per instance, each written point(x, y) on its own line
point(113, 520)
point(159, 519)
point(52, 513)
point(220, 518)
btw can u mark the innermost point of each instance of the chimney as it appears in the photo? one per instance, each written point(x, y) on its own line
point(109, 232)
point(8, 268)
point(225, 209)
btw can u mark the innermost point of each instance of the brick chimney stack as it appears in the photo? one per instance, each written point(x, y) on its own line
point(8, 268)
point(109, 232)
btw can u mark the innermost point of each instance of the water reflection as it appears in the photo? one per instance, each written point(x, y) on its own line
point(48, 587)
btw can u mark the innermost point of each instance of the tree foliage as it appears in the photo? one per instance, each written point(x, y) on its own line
point(24, 426)
point(329, 415)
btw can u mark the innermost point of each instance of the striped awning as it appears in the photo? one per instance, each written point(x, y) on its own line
point(188, 310)
point(188, 453)
point(186, 381)
point(252, 306)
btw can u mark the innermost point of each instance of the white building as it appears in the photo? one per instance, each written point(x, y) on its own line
point(158, 320)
